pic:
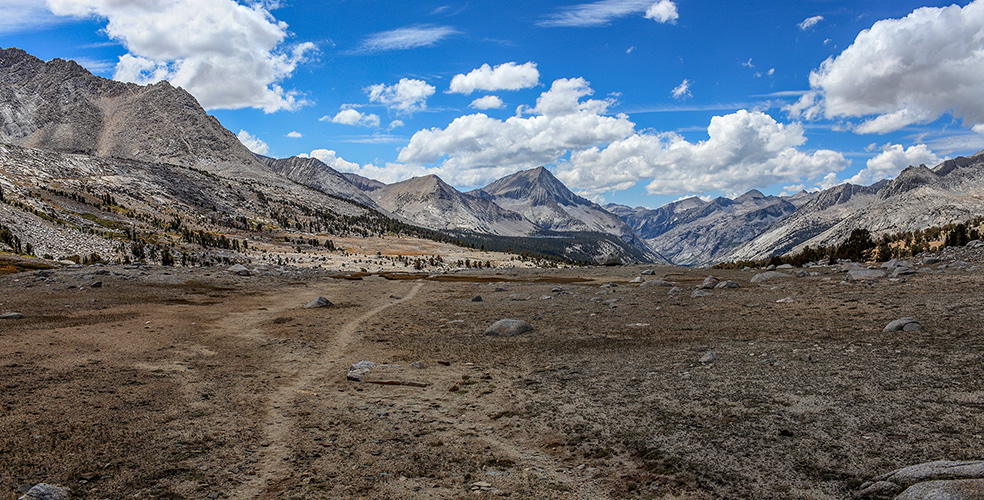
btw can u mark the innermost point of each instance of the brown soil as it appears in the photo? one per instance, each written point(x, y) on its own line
point(191, 383)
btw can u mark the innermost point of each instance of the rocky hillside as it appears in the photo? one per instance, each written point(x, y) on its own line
point(694, 232)
point(918, 198)
point(318, 175)
point(430, 202)
point(59, 106)
point(540, 197)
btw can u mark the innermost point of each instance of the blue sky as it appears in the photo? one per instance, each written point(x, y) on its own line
point(638, 102)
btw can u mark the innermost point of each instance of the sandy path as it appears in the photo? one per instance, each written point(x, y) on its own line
point(279, 424)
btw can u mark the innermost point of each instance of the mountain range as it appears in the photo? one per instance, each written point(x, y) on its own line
point(147, 154)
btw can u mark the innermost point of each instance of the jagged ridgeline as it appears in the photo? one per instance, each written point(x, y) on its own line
point(93, 169)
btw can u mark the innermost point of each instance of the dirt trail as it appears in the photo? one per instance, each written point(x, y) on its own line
point(279, 424)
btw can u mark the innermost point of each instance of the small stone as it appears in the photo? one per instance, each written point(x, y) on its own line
point(477, 298)
point(44, 491)
point(647, 272)
point(675, 290)
point(637, 279)
point(11, 315)
point(508, 328)
point(518, 297)
point(656, 282)
point(768, 276)
point(700, 293)
point(239, 270)
point(709, 283)
point(420, 365)
point(865, 274)
point(785, 300)
point(708, 357)
point(318, 302)
point(902, 324)
point(96, 284)
point(726, 284)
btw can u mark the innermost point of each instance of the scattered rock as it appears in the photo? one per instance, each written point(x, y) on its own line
point(708, 357)
point(609, 260)
point(96, 284)
point(318, 302)
point(785, 300)
point(770, 267)
point(44, 491)
point(975, 244)
point(865, 274)
point(801, 273)
point(965, 489)
point(501, 289)
point(902, 324)
point(700, 293)
point(709, 283)
point(768, 275)
point(519, 297)
point(477, 298)
point(11, 315)
point(418, 364)
point(784, 266)
point(942, 479)
point(928, 261)
point(240, 270)
point(647, 272)
point(357, 370)
point(726, 284)
point(546, 297)
point(656, 282)
point(675, 290)
point(508, 328)
point(637, 279)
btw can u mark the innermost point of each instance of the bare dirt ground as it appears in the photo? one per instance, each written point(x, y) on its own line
point(194, 383)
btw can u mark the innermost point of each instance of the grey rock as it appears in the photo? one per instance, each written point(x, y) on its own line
point(501, 289)
point(418, 364)
point(595, 299)
point(508, 328)
point(647, 272)
point(656, 282)
point(937, 470)
point(239, 269)
point(609, 260)
point(44, 491)
point(784, 266)
point(902, 271)
point(11, 315)
point(708, 357)
point(519, 297)
point(96, 284)
point(770, 267)
point(902, 324)
point(928, 261)
point(675, 290)
point(700, 293)
point(768, 276)
point(801, 273)
point(637, 279)
point(546, 297)
point(785, 300)
point(709, 283)
point(975, 244)
point(477, 298)
point(865, 274)
point(726, 284)
point(318, 302)
point(966, 489)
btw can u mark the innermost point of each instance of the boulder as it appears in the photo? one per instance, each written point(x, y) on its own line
point(508, 328)
point(964, 489)
point(519, 297)
point(675, 290)
point(477, 298)
point(44, 491)
point(318, 302)
point(647, 272)
point(656, 282)
point(609, 260)
point(769, 275)
point(708, 357)
point(699, 293)
point(726, 284)
point(637, 279)
point(902, 324)
point(709, 283)
point(865, 274)
point(239, 269)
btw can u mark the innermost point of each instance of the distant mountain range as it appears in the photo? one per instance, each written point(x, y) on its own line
point(153, 146)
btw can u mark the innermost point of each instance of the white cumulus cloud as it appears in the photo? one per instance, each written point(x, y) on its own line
point(810, 22)
point(353, 117)
point(682, 91)
point(388, 174)
point(507, 76)
point(410, 37)
point(406, 96)
point(475, 149)
point(253, 143)
point(904, 71)
point(663, 11)
point(488, 102)
point(294, 134)
point(228, 55)
point(745, 149)
point(604, 12)
point(893, 159)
